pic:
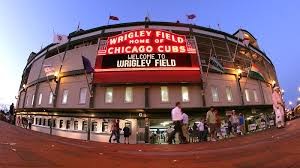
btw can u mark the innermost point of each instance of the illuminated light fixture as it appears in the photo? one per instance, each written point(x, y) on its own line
point(299, 89)
point(298, 98)
point(239, 73)
point(24, 86)
point(290, 102)
point(273, 83)
point(282, 91)
point(56, 75)
point(242, 52)
point(165, 123)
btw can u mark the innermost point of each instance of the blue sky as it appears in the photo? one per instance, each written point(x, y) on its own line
point(27, 25)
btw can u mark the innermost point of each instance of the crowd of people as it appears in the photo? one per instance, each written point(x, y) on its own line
point(207, 128)
point(211, 127)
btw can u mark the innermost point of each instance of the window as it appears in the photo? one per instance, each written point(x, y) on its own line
point(40, 99)
point(82, 95)
point(36, 121)
point(61, 122)
point(50, 98)
point(228, 94)
point(104, 126)
point(164, 93)
point(128, 95)
point(40, 121)
point(215, 94)
point(65, 96)
point(68, 125)
point(185, 94)
point(94, 126)
point(75, 125)
point(49, 122)
point(32, 100)
point(247, 95)
point(44, 122)
point(27, 100)
point(84, 126)
point(109, 95)
point(255, 96)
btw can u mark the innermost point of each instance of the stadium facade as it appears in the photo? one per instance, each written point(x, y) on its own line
point(140, 70)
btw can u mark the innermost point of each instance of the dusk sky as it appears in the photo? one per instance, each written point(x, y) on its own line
point(28, 25)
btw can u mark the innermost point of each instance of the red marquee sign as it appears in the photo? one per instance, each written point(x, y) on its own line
point(139, 53)
point(146, 41)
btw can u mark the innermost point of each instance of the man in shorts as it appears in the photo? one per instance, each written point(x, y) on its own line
point(211, 120)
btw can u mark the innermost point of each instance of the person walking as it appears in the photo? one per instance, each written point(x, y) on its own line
point(242, 123)
point(201, 130)
point(127, 133)
point(30, 121)
point(185, 126)
point(234, 121)
point(177, 120)
point(278, 107)
point(211, 120)
point(117, 131)
point(206, 132)
point(218, 123)
point(113, 131)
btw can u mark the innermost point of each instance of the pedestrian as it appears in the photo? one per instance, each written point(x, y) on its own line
point(158, 136)
point(191, 134)
point(211, 120)
point(242, 123)
point(30, 120)
point(194, 132)
point(206, 132)
point(229, 130)
point(218, 123)
point(201, 130)
point(278, 107)
point(169, 132)
point(234, 121)
point(127, 133)
point(118, 131)
point(113, 131)
point(177, 120)
point(185, 126)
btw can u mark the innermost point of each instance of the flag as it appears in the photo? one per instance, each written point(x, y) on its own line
point(256, 73)
point(87, 65)
point(59, 38)
point(113, 18)
point(49, 70)
point(216, 65)
point(192, 16)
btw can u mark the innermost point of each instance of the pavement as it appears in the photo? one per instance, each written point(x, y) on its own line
point(274, 148)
